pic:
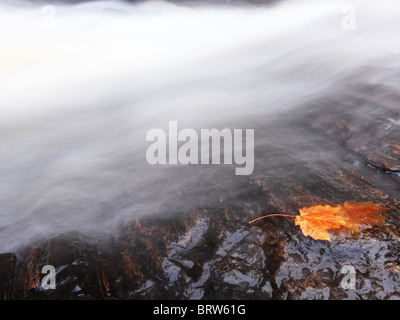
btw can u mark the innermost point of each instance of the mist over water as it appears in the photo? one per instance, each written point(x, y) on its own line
point(78, 96)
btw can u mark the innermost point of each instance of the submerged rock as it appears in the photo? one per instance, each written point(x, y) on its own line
point(346, 151)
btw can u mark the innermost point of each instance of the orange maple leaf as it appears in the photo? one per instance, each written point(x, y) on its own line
point(361, 214)
point(315, 221)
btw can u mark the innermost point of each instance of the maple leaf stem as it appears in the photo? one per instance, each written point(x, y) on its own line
point(273, 215)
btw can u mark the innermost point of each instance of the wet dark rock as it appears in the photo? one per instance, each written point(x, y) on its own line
point(7, 262)
point(366, 120)
point(85, 269)
point(214, 254)
point(211, 252)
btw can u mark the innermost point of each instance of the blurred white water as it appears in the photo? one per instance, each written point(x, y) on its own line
point(77, 97)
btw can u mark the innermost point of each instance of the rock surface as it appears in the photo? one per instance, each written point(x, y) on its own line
point(344, 147)
point(7, 261)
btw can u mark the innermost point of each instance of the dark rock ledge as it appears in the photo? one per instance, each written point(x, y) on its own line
point(7, 262)
point(343, 147)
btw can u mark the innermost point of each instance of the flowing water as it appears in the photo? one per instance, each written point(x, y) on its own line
point(81, 85)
